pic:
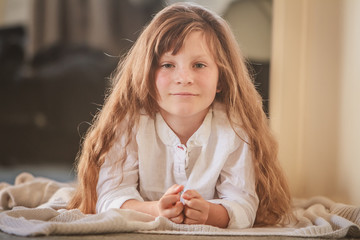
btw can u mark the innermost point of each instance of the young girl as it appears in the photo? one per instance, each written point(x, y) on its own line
point(183, 134)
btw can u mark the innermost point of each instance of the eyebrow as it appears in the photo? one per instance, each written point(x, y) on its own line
point(168, 54)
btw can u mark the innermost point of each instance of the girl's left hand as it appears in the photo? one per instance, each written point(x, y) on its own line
point(196, 209)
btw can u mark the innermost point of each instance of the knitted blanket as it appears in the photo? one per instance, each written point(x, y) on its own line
point(36, 206)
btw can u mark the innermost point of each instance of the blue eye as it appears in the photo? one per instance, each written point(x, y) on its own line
point(199, 65)
point(167, 65)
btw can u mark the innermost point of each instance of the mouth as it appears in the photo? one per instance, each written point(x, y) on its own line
point(184, 94)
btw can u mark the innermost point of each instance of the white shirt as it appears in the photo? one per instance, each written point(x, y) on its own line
point(215, 162)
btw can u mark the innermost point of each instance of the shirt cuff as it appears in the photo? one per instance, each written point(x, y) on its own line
point(239, 215)
point(117, 199)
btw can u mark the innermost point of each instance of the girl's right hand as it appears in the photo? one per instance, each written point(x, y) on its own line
point(170, 206)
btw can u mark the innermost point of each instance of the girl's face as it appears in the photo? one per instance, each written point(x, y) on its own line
point(187, 82)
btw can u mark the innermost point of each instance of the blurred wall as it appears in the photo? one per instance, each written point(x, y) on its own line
point(314, 94)
point(14, 11)
point(349, 139)
point(52, 94)
point(251, 21)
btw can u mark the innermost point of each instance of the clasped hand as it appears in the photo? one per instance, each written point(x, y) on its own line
point(195, 209)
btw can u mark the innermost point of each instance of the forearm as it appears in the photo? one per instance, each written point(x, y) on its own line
point(218, 216)
point(149, 207)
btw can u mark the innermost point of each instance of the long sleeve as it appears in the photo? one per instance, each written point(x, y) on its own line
point(118, 184)
point(215, 162)
point(236, 188)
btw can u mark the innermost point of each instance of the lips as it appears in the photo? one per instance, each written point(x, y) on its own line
point(185, 94)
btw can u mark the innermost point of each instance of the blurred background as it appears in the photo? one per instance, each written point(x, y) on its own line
point(56, 58)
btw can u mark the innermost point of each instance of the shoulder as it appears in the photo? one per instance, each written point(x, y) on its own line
point(145, 128)
point(144, 121)
point(223, 127)
point(130, 127)
point(220, 120)
point(219, 113)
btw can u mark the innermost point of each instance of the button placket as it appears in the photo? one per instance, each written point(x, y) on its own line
point(180, 164)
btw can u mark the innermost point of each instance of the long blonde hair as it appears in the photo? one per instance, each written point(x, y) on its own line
point(134, 90)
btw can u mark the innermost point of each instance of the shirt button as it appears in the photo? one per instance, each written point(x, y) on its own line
point(181, 147)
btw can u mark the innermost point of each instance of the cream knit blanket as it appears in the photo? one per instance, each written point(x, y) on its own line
point(35, 206)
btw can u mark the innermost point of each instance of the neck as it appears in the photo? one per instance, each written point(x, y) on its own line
point(184, 127)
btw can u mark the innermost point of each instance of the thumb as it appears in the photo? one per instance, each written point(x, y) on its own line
point(174, 189)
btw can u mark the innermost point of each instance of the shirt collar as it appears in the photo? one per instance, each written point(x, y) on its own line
point(199, 138)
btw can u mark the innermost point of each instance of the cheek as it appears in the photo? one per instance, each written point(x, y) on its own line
point(161, 82)
point(210, 83)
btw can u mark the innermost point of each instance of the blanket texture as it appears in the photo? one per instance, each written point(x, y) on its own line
point(36, 206)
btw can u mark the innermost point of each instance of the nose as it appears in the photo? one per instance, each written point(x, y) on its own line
point(184, 76)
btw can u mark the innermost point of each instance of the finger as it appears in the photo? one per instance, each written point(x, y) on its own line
point(174, 189)
point(178, 219)
point(168, 201)
point(179, 207)
point(195, 203)
point(195, 217)
point(192, 213)
point(172, 212)
point(189, 194)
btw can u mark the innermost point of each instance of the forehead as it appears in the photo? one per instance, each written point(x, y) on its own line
point(194, 43)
